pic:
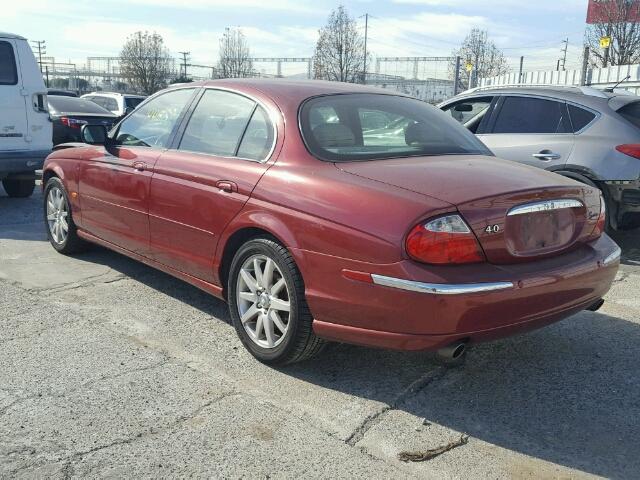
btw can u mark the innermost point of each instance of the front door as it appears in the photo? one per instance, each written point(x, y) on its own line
point(530, 130)
point(198, 187)
point(114, 185)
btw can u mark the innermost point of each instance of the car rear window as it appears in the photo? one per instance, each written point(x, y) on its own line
point(8, 71)
point(360, 127)
point(580, 117)
point(58, 104)
point(631, 112)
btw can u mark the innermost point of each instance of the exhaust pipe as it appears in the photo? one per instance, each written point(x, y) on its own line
point(596, 306)
point(452, 354)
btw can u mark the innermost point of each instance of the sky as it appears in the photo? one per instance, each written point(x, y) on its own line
point(76, 29)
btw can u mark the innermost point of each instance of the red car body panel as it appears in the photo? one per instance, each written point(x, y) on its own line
point(174, 215)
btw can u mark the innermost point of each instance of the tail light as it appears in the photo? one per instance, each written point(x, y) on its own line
point(631, 149)
point(444, 240)
point(72, 122)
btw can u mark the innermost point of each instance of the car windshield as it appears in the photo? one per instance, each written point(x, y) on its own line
point(60, 104)
point(132, 102)
point(359, 127)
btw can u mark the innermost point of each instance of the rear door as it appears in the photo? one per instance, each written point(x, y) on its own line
point(114, 187)
point(13, 104)
point(198, 187)
point(531, 130)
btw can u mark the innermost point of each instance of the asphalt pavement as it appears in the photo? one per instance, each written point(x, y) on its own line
point(109, 368)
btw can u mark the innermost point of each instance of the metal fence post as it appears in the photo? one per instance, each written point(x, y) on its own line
point(456, 76)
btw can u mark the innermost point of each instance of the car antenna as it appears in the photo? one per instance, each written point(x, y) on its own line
point(611, 89)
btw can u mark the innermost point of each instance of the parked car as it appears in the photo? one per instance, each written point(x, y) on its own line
point(589, 135)
point(61, 93)
point(68, 114)
point(25, 130)
point(271, 195)
point(119, 104)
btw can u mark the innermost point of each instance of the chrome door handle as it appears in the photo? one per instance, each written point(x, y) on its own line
point(546, 156)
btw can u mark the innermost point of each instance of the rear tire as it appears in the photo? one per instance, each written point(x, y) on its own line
point(264, 282)
point(18, 188)
point(58, 219)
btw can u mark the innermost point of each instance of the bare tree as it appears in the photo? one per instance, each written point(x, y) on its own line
point(625, 34)
point(339, 53)
point(145, 62)
point(235, 57)
point(485, 58)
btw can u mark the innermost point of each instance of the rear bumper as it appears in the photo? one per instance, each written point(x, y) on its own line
point(18, 161)
point(439, 305)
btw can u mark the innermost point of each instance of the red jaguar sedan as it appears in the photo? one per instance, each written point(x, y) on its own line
point(326, 211)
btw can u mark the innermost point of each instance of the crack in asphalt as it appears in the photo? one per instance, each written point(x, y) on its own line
point(376, 417)
point(89, 383)
point(68, 469)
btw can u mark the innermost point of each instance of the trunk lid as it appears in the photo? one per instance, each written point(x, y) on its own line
point(517, 212)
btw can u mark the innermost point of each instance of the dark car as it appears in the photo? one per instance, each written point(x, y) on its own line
point(69, 114)
point(61, 93)
point(316, 222)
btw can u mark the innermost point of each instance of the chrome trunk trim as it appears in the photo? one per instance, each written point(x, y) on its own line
point(613, 256)
point(439, 288)
point(545, 206)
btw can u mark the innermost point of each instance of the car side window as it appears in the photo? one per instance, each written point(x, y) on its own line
point(258, 137)
point(532, 115)
point(470, 112)
point(8, 71)
point(217, 123)
point(151, 124)
point(580, 117)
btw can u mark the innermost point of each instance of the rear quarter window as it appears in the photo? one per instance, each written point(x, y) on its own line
point(8, 71)
point(580, 117)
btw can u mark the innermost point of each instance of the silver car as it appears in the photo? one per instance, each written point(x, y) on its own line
point(590, 135)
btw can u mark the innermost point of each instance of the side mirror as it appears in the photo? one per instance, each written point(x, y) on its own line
point(94, 134)
point(463, 107)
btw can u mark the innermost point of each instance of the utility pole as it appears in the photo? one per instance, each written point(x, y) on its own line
point(564, 58)
point(521, 65)
point(184, 64)
point(585, 66)
point(42, 50)
point(456, 76)
point(366, 36)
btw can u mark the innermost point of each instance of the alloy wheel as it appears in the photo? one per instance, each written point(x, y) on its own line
point(57, 215)
point(263, 301)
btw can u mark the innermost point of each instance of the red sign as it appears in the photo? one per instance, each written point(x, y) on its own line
point(605, 11)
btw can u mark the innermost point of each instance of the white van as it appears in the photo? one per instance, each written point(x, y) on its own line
point(25, 126)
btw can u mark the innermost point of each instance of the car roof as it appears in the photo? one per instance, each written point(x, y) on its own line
point(115, 94)
point(11, 35)
point(299, 90)
point(587, 96)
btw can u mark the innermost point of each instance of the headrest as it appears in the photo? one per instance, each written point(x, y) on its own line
point(331, 135)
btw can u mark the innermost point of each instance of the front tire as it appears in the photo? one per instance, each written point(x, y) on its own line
point(18, 188)
point(268, 306)
point(58, 219)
